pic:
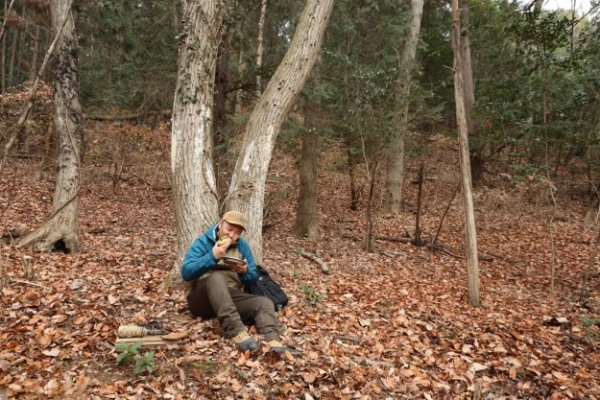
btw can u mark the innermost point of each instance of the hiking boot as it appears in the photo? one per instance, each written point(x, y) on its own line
point(245, 342)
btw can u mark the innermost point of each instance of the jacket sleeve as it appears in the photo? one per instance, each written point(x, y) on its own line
point(198, 260)
point(252, 274)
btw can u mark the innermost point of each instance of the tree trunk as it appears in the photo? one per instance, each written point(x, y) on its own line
point(239, 93)
point(247, 189)
point(465, 54)
point(60, 231)
point(476, 152)
point(34, 54)
point(13, 56)
point(372, 176)
point(307, 223)
point(21, 49)
point(194, 186)
point(259, 47)
point(354, 191)
point(7, 8)
point(470, 229)
point(3, 59)
point(395, 154)
point(220, 97)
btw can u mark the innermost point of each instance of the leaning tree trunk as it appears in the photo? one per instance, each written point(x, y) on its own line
point(395, 152)
point(247, 189)
point(60, 231)
point(194, 186)
point(470, 230)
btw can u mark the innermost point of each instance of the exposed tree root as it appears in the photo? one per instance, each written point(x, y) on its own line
point(51, 237)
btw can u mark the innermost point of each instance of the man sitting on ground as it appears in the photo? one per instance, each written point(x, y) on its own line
point(218, 285)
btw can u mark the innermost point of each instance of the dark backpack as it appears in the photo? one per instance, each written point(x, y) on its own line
point(265, 286)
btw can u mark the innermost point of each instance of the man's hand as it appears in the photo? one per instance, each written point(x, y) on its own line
point(219, 251)
point(239, 268)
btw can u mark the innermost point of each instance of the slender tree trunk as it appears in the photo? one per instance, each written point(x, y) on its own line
point(60, 231)
point(259, 47)
point(465, 54)
point(239, 98)
point(3, 60)
point(13, 56)
point(307, 222)
point(194, 186)
point(369, 214)
point(21, 49)
point(238, 35)
point(34, 54)
point(7, 7)
point(470, 229)
point(354, 192)
point(476, 152)
point(247, 189)
point(395, 154)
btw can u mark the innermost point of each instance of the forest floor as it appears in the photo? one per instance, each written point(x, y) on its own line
point(391, 324)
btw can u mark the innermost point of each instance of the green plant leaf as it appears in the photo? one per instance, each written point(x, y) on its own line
point(122, 346)
point(122, 358)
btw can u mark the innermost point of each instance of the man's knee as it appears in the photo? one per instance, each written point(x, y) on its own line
point(263, 303)
point(216, 281)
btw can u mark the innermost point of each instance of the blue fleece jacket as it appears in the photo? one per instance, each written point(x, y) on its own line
point(200, 258)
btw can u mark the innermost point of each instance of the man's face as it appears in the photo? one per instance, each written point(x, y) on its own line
point(234, 231)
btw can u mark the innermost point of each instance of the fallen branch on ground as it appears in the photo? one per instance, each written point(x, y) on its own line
point(438, 246)
point(25, 282)
point(316, 260)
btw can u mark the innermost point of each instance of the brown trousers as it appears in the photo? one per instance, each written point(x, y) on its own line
point(211, 297)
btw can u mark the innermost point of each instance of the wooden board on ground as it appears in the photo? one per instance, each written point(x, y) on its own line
point(147, 341)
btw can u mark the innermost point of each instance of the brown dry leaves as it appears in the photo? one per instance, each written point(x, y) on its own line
point(393, 325)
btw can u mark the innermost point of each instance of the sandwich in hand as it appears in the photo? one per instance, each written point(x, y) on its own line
point(223, 240)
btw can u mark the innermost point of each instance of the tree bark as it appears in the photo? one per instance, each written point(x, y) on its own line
point(395, 154)
point(476, 152)
point(21, 49)
point(259, 47)
point(34, 54)
point(3, 58)
point(354, 190)
point(194, 185)
point(465, 54)
point(60, 231)
point(307, 222)
point(13, 56)
point(470, 229)
point(220, 96)
point(239, 93)
point(247, 189)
